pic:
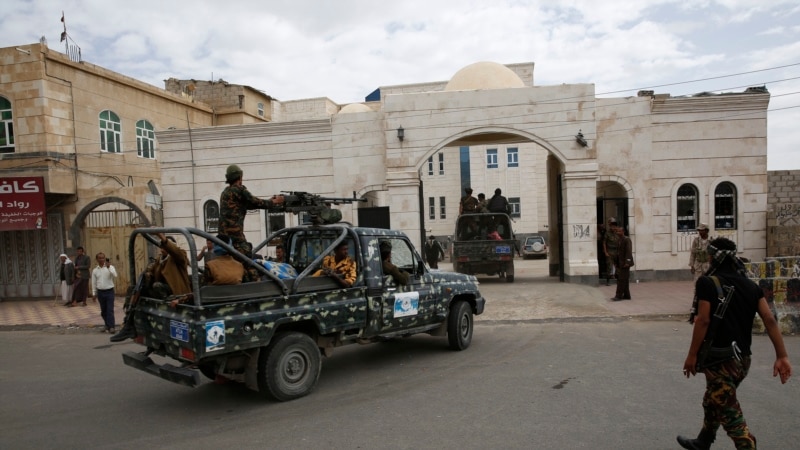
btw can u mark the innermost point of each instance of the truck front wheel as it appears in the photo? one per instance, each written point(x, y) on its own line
point(459, 325)
point(289, 368)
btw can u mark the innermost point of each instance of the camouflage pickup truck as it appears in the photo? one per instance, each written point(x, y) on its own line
point(484, 243)
point(270, 334)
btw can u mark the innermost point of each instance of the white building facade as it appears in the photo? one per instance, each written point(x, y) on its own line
point(660, 165)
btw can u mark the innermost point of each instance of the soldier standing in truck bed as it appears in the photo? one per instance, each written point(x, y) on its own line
point(234, 203)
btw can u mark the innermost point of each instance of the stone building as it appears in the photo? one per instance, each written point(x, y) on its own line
point(84, 136)
point(659, 164)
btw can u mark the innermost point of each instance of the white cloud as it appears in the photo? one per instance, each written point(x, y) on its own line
point(295, 49)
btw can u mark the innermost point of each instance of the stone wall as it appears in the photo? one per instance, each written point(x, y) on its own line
point(783, 213)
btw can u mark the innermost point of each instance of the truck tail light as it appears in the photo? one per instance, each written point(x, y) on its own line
point(187, 354)
point(463, 259)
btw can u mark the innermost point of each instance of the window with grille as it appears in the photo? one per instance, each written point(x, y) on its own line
point(441, 163)
point(211, 213)
point(430, 165)
point(442, 208)
point(725, 206)
point(431, 208)
point(687, 208)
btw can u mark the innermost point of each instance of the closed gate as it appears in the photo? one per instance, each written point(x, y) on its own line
point(109, 232)
point(29, 260)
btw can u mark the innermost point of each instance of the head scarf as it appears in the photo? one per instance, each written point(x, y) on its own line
point(718, 256)
point(66, 261)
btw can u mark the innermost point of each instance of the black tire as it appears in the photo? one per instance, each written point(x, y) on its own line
point(509, 278)
point(289, 367)
point(460, 325)
point(209, 370)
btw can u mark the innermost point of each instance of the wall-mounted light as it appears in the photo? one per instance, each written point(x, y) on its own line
point(581, 140)
point(401, 133)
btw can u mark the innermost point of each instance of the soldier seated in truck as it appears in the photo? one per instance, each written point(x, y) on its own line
point(392, 273)
point(339, 266)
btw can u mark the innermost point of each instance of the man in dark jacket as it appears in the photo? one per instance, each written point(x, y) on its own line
point(498, 203)
point(433, 249)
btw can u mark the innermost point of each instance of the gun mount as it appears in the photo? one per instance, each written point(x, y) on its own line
point(318, 207)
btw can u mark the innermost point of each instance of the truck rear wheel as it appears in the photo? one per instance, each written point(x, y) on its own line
point(459, 325)
point(289, 368)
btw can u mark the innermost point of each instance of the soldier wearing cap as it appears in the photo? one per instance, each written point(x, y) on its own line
point(610, 246)
point(234, 203)
point(698, 256)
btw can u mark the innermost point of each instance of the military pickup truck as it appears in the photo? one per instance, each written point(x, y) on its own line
point(484, 243)
point(270, 334)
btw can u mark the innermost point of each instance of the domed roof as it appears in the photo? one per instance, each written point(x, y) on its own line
point(484, 75)
point(355, 108)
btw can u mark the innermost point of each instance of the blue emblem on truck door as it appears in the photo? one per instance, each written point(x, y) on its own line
point(215, 335)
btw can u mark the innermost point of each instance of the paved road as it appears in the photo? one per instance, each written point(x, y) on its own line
point(553, 385)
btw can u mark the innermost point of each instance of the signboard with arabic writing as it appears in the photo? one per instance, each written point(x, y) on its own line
point(22, 203)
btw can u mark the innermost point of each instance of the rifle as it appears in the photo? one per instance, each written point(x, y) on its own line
point(724, 301)
point(319, 208)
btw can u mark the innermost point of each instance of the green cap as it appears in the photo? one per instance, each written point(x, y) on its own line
point(233, 173)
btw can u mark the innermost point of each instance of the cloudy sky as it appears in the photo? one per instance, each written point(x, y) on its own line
point(344, 49)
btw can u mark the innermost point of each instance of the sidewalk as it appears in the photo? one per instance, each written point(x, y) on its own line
point(533, 296)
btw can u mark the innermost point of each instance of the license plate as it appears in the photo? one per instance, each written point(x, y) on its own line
point(503, 249)
point(179, 330)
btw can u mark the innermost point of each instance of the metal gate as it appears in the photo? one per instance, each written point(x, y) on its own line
point(109, 232)
point(29, 260)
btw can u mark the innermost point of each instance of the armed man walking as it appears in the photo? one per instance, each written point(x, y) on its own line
point(720, 346)
point(234, 203)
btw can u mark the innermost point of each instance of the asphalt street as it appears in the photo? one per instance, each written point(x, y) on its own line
point(551, 385)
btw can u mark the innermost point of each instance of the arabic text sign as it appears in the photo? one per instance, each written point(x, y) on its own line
point(22, 203)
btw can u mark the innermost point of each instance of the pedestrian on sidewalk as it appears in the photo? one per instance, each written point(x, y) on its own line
point(730, 332)
point(103, 277)
point(66, 273)
point(610, 245)
point(698, 257)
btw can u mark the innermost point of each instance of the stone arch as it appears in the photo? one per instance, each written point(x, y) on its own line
point(75, 227)
point(500, 131)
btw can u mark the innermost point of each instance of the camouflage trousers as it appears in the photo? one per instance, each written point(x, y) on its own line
point(720, 405)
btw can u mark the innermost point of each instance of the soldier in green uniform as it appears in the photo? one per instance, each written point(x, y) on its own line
point(234, 203)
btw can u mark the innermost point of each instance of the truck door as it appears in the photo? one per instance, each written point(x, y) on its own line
point(412, 304)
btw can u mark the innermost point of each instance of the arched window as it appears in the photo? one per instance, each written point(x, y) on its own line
point(211, 213)
point(6, 127)
point(687, 207)
point(725, 206)
point(145, 139)
point(110, 132)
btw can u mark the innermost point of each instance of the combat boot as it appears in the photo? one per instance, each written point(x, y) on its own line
point(703, 441)
point(127, 332)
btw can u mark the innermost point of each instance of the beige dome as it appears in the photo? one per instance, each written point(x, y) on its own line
point(484, 75)
point(355, 108)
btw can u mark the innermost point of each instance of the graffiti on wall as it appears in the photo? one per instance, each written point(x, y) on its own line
point(788, 214)
point(581, 231)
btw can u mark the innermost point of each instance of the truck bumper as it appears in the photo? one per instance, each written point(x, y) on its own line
point(179, 375)
point(480, 303)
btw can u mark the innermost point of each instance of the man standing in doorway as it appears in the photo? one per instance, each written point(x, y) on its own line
point(433, 249)
point(610, 244)
point(80, 288)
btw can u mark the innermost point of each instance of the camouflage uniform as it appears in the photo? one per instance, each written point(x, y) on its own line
point(720, 405)
point(234, 203)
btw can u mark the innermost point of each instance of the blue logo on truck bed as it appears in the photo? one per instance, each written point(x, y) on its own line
point(503, 249)
point(179, 330)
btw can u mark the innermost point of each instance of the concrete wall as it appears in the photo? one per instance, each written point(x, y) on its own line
point(783, 217)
